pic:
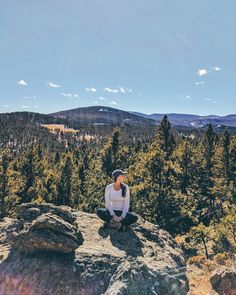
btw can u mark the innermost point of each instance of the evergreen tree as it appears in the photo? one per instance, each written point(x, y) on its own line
point(3, 182)
point(64, 184)
point(165, 138)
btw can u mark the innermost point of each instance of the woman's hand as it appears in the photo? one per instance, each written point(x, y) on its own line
point(116, 218)
point(119, 218)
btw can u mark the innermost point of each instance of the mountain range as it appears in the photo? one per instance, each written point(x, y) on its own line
point(193, 120)
point(103, 115)
point(108, 115)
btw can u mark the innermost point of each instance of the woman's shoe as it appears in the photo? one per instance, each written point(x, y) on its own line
point(116, 225)
point(122, 228)
point(105, 224)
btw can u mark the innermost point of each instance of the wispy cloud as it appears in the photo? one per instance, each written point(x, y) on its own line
point(36, 107)
point(95, 102)
point(217, 69)
point(70, 95)
point(210, 100)
point(53, 85)
point(25, 106)
point(92, 89)
point(102, 98)
point(110, 90)
point(117, 90)
point(5, 105)
point(125, 90)
point(185, 97)
point(202, 72)
point(30, 97)
point(199, 83)
point(113, 102)
point(22, 83)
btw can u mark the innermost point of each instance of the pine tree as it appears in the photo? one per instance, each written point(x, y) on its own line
point(232, 157)
point(183, 165)
point(206, 174)
point(165, 138)
point(64, 184)
point(4, 164)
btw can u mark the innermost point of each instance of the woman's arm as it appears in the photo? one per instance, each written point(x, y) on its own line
point(108, 202)
point(126, 203)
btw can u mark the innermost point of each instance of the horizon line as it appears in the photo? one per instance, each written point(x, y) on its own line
point(170, 113)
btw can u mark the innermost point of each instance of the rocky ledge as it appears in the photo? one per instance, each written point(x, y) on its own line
point(57, 250)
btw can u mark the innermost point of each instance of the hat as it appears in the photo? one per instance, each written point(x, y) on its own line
point(118, 172)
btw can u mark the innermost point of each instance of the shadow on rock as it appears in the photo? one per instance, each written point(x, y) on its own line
point(126, 241)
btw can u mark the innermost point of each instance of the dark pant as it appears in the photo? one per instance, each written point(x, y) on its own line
point(104, 214)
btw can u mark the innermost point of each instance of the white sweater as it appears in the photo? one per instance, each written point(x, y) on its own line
point(115, 201)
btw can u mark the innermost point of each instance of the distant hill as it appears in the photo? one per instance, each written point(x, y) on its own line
point(101, 115)
point(193, 120)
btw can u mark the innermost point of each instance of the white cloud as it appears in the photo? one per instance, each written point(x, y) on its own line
point(102, 98)
point(95, 102)
point(113, 102)
point(36, 107)
point(188, 97)
point(22, 83)
point(217, 69)
point(199, 83)
point(110, 90)
point(70, 95)
point(122, 90)
point(202, 72)
point(25, 107)
point(5, 105)
point(29, 97)
point(67, 94)
point(125, 90)
point(210, 100)
point(92, 89)
point(53, 85)
point(118, 90)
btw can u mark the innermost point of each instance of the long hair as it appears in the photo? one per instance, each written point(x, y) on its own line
point(123, 187)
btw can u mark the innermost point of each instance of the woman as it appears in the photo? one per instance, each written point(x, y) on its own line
point(117, 202)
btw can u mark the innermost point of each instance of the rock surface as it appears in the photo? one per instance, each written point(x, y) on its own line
point(46, 227)
point(223, 280)
point(90, 261)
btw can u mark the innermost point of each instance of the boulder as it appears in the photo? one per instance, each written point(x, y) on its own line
point(223, 280)
point(30, 211)
point(45, 227)
point(142, 260)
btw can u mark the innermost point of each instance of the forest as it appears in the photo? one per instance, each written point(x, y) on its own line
point(181, 182)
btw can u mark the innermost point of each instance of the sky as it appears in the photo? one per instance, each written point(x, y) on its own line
point(153, 56)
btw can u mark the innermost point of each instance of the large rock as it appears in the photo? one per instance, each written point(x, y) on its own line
point(46, 227)
point(223, 280)
point(30, 211)
point(143, 260)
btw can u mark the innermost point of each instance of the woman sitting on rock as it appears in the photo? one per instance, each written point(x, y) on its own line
point(117, 201)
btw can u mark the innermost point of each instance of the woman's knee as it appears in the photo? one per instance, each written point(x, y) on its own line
point(134, 218)
point(100, 212)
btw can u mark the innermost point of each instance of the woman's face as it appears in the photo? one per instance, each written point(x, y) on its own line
point(121, 178)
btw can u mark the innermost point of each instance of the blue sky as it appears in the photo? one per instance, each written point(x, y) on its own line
point(154, 56)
